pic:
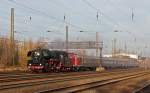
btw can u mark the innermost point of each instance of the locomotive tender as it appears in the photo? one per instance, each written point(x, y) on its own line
point(54, 61)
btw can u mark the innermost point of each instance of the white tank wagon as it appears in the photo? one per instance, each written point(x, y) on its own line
point(109, 63)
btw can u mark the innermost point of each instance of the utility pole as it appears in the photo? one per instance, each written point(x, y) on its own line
point(12, 46)
point(114, 47)
point(66, 26)
point(101, 48)
point(97, 48)
point(125, 48)
point(97, 37)
point(66, 38)
point(0, 27)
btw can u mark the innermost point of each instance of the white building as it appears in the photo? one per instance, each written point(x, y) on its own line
point(134, 56)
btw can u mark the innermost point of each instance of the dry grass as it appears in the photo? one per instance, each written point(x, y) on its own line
point(20, 52)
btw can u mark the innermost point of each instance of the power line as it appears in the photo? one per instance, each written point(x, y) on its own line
point(97, 16)
point(112, 4)
point(24, 21)
point(43, 13)
point(132, 14)
point(20, 22)
point(99, 11)
point(61, 4)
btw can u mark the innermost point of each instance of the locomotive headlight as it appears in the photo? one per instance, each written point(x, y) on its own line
point(38, 54)
point(40, 64)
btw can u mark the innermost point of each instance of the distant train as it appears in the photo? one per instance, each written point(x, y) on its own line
point(45, 60)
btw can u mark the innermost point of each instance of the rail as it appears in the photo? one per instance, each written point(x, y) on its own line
point(82, 87)
point(55, 80)
point(144, 89)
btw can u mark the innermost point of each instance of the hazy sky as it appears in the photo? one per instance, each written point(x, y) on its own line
point(81, 15)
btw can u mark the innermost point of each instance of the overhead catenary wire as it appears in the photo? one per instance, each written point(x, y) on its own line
point(18, 26)
point(44, 14)
point(116, 23)
point(100, 11)
point(108, 17)
point(23, 21)
point(97, 17)
point(132, 12)
point(67, 7)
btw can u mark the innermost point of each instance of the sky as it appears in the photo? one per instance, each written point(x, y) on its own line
point(33, 18)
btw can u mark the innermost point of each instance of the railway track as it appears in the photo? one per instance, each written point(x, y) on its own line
point(144, 89)
point(82, 87)
point(16, 77)
point(54, 80)
point(63, 79)
point(37, 76)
